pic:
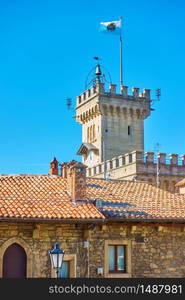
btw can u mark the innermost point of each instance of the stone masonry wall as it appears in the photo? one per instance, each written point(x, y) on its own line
point(161, 254)
point(155, 251)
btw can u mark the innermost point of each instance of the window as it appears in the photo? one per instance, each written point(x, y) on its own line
point(130, 158)
point(117, 162)
point(93, 132)
point(129, 130)
point(117, 259)
point(64, 271)
point(123, 160)
point(88, 134)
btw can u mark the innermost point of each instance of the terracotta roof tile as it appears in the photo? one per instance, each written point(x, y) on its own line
point(135, 200)
point(40, 196)
point(45, 196)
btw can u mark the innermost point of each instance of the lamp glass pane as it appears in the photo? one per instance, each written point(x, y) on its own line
point(55, 258)
point(51, 259)
point(60, 259)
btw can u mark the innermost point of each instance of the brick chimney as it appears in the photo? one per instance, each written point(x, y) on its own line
point(76, 180)
point(53, 167)
point(65, 166)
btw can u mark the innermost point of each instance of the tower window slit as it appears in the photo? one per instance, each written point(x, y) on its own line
point(129, 130)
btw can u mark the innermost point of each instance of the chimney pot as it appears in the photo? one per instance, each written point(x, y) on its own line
point(53, 167)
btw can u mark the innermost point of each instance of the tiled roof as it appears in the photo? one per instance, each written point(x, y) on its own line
point(135, 200)
point(46, 197)
point(40, 196)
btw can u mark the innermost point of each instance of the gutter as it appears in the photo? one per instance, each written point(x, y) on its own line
point(6, 219)
point(159, 221)
point(97, 221)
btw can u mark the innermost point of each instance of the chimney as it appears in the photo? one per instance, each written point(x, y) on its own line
point(76, 180)
point(53, 167)
point(65, 166)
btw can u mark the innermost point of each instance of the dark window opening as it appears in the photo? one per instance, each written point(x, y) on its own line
point(129, 130)
point(130, 158)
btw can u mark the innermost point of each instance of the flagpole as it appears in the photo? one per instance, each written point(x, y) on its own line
point(121, 63)
point(121, 58)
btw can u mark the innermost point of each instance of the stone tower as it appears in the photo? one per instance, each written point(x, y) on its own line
point(113, 137)
point(112, 123)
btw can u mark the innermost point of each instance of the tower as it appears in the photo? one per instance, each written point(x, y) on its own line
point(112, 123)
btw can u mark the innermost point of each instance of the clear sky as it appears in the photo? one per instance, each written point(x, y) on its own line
point(46, 50)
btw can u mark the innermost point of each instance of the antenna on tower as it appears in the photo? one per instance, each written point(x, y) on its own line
point(69, 103)
point(158, 94)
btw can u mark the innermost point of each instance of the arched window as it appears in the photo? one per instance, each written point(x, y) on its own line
point(14, 262)
point(94, 132)
point(131, 112)
point(124, 110)
point(88, 134)
point(104, 107)
point(138, 113)
point(118, 110)
point(111, 110)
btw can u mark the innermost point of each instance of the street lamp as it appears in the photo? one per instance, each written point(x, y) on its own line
point(56, 256)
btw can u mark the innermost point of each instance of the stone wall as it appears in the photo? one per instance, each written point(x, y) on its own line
point(153, 250)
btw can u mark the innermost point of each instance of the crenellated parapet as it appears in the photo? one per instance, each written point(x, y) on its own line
point(135, 104)
point(135, 163)
point(99, 88)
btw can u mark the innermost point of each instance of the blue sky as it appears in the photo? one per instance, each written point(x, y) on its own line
point(46, 50)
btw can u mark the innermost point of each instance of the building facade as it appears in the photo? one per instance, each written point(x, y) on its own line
point(108, 228)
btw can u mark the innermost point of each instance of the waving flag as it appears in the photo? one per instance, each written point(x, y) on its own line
point(113, 27)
